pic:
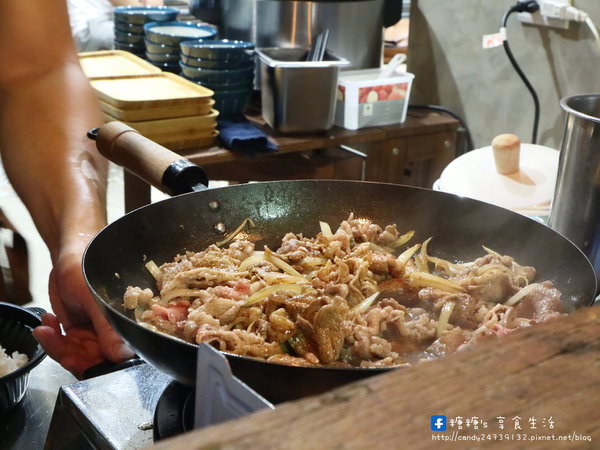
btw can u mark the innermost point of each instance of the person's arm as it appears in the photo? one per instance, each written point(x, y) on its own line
point(46, 107)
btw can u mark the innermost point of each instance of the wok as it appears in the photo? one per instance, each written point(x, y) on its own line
point(115, 258)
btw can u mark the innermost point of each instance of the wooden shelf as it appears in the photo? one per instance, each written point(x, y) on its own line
point(413, 152)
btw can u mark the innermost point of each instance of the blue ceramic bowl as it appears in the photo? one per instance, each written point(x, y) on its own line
point(231, 103)
point(129, 38)
point(161, 48)
point(226, 76)
point(136, 49)
point(167, 66)
point(172, 33)
point(217, 63)
point(240, 85)
point(129, 27)
point(144, 14)
point(162, 58)
point(220, 49)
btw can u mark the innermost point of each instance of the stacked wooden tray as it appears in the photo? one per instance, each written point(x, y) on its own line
point(162, 106)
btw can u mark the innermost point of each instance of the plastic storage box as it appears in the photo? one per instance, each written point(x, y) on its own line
point(364, 100)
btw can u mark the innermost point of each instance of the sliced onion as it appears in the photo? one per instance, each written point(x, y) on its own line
point(445, 314)
point(422, 260)
point(265, 292)
point(231, 236)
point(424, 279)
point(407, 254)
point(326, 230)
point(276, 277)
point(491, 252)
point(444, 264)
point(153, 269)
point(403, 239)
point(365, 304)
point(180, 293)
point(311, 261)
point(271, 257)
point(251, 260)
point(516, 298)
point(137, 313)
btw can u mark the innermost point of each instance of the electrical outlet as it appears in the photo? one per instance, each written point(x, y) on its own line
point(553, 8)
point(542, 21)
point(549, 14)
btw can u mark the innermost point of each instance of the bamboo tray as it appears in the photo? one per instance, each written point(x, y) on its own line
point(179, 125)
point(158, 112)
point(184, 146)
point(162, 89)
point(200, 133)
point(114, 63)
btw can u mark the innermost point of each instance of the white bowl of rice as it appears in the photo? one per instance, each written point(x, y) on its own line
point(11, 362)
point(19, 352)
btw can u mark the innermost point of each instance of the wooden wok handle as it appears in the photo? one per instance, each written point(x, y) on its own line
point(150, 161)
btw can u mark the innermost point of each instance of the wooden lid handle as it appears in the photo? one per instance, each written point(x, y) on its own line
point(507, 149)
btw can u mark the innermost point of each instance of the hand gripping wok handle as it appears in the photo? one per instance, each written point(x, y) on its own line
point(150, 161)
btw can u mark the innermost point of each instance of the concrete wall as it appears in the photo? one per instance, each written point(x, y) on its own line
point(452, 69)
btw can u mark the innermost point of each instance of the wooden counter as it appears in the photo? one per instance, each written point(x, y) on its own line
point(413, 153)
point(550, 373)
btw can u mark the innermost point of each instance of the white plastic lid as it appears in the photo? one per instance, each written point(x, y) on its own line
point(529, 190)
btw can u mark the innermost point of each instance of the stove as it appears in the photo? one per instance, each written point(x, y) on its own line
point(134, 407)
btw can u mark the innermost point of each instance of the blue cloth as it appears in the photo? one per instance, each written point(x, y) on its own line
point(241, 135)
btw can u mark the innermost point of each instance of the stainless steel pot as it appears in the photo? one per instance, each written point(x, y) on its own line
point(576, 203)
point(356, 26)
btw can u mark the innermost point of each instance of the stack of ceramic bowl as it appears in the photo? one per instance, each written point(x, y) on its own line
point(162, 41)
point(129, 25)
point(224, 66)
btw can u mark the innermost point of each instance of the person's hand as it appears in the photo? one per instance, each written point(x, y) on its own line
point(88, 338)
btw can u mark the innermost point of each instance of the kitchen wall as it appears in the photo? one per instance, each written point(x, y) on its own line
point(452, 69)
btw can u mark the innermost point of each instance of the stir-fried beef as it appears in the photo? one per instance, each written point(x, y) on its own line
point(357, 296)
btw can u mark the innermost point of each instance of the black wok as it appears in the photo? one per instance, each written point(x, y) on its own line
point(115, 258)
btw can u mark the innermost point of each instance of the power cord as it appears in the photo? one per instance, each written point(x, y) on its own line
point(529, 6)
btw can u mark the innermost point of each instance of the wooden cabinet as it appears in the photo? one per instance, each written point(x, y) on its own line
point(414, 154)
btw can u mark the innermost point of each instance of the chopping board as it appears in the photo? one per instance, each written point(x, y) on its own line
point(158, 90)
point(187, 125)
point(155, 113)
point(114, 63)
point(549, 372)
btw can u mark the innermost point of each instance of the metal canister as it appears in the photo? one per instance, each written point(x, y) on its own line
point(576, 202)
point(298, 96)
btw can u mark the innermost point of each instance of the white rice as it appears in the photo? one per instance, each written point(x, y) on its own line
point(9, 363)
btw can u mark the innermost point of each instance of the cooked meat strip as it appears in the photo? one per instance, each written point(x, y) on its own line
point(448, 342)
point(541, 303)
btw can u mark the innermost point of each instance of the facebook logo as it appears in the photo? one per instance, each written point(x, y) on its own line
point(438, 423)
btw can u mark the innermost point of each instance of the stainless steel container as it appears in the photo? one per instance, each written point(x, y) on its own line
point(298, 95)
point(576, 204)
point(356, 27)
